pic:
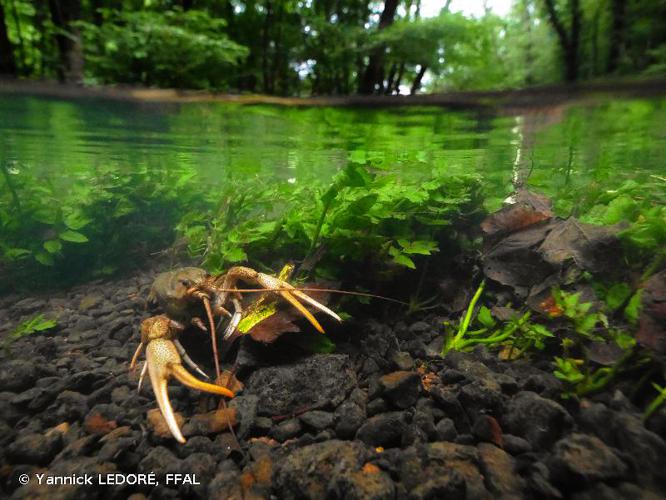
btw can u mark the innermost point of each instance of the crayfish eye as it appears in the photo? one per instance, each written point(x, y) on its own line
point(186, 283)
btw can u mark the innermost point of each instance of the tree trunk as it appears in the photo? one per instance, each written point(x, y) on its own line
point(616, 35)
point(373, 74)
point(568, 41)
point(416, 84)
point(63, 13)
point(7, 61)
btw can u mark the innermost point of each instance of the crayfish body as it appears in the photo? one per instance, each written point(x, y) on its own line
point(180, 293)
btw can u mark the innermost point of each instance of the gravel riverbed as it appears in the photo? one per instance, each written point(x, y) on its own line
point(383, 417)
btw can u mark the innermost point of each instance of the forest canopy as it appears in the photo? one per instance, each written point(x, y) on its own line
point(326, 47)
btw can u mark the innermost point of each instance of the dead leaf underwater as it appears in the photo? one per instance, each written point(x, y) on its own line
point(530, 251)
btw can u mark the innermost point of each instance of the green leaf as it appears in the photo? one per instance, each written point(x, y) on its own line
point(45, 259)
point(73, 237)
point(403, 260)
point(53, 246)
point(236, 254)
point(633, 309)
point(76, 220)
point(421, 247)
point(617, 295)
point(485, 317)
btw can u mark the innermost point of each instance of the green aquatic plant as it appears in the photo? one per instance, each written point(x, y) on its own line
point(365, 219)
point(32, 325)
point(656, 403)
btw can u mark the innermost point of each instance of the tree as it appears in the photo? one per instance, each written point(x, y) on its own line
point(618, 8)
point(63, 15)
point(7, 61)
point(374, 71)
point(569, 39)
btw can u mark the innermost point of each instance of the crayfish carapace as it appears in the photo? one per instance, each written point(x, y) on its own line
point(181, 293)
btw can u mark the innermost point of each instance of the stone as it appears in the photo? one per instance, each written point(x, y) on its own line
point(486, 428)
point(307, 472)
point(286, 429)
point(539, 420)
point(516, 445)
point(350, 416)
point(311, 382)
point(35, 449)
point(17, 375)
point(498, 469)
point(446, 430)
point(385, 430)
point(317, 419)
point(402, 361)
point(246, 413)
point(581, 459)
point(401, 388)
point(440, 470)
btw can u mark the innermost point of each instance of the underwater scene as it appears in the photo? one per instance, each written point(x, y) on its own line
point(215, 300)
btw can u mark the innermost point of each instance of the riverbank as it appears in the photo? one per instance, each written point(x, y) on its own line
point(533, 97)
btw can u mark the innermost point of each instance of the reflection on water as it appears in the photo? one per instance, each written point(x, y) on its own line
point(554, 149)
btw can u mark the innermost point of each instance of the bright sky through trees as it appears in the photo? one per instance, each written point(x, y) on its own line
point(430, 8)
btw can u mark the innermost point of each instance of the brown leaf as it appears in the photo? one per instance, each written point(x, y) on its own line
point(270, 329)
point(528, 209)
point(228, 379)
point(216, 421)
point(98, 424)
point(159, 425)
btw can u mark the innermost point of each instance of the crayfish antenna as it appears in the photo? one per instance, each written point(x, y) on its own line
point(164, 362)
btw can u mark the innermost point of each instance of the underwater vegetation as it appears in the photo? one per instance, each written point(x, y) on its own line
point(525, 353)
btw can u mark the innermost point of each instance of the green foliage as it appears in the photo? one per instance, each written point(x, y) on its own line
point(580, 378)
point(363, 216)
point(656, 403)
point(168, 48)
point(32, 325)
point(584, 321)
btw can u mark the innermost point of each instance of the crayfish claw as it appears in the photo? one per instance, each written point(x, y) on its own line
point(163, 363)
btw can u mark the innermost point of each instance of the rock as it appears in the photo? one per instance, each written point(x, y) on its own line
point(486, 428)
point(579, 460)
point(246, 413)
point(446, 430)
point(481, 397)
point(307, 472)
point(17, 375)
point(317, 419)
point(442, 470)
point(350, 416)
point(281, 389)
point(516, 445)
point(36, 449)
point(29, 305)
point(402, 361)
point(540, 421)
point(90, 301)
point(447, 399)
point(161, 461)
point(203, 467)
point(385, 430)
point(226, 484)
point(401, 388)
point(425, 421)
point(644, 449)
point(498, 469)
point(286, 429)
point(377, 406)
point(370, 483)
point(71, 406)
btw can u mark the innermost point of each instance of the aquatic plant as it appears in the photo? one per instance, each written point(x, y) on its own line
point(656, 403)
point(32, 325)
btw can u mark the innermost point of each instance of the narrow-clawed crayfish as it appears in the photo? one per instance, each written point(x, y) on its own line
point(181, 293)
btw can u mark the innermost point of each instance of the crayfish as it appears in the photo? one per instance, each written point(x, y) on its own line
point(181, 294)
